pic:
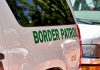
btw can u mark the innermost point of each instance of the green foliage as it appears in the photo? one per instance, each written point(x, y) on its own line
point(41, 12)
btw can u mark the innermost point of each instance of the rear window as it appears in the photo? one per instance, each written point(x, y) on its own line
point(30, 13)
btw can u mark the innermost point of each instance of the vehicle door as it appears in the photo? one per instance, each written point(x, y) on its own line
point(41, 35)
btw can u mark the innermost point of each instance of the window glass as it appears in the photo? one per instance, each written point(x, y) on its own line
point(90, 5)
point(91, 51)
point(31, 13)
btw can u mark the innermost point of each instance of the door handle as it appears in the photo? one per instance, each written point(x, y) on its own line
point(2, 56)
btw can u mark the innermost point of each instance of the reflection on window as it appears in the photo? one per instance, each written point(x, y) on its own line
point(86, 5)
point(91, 51)
point(41, 12)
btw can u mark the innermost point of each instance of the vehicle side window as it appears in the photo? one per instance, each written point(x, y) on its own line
point(30, 13)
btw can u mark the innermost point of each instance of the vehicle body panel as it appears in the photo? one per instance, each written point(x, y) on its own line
point(24, 54)
point(89, 24)
point(90, 33)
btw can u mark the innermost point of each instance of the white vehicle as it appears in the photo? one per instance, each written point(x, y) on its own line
point(87, 13)
point(38, 35)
